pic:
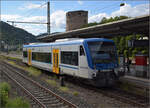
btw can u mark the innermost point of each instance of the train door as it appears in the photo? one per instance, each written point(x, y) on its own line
point(56, 61)
point(29, 56)
point(83, 72)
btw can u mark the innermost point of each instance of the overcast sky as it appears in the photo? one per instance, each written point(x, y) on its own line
point(36, 11)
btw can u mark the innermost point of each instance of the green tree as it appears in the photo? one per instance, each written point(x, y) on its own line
point(122, 41)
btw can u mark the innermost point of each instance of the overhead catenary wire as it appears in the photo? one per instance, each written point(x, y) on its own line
point(31, 12)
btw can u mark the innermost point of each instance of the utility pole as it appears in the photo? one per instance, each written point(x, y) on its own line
point(48, 17)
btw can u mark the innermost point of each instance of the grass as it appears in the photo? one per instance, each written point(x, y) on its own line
point(131, 88)
point(64, 89)
point(32, 71)
point(2, 57)
point(13, 58)
point(7, 102)
point(17, 103)
point(51, 82)
point(75, 93)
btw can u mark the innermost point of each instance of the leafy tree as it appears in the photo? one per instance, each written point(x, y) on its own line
point(134, 52)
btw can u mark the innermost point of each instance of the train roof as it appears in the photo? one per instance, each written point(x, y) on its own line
point(69, 42)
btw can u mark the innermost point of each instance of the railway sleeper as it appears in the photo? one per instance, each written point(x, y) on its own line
point(34, 105)
point(60, 106)
point(56, 105)
point(42, 97)
point(46, 99)
point(50, 101)
point(38, 92)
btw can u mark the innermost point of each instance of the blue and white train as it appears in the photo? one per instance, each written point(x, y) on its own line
point(92, 59)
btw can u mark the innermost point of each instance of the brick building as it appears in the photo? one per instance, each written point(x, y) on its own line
point(76, 19)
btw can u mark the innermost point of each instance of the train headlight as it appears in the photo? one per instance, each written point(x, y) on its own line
point(94, 75)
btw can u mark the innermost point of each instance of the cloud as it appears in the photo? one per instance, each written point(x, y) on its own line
point(32, 6)
point(34, 29)
point(58, 19)
point(10, 17)
point(35, 19)
point(97, 18)
point(126, 10)
point(80, 2)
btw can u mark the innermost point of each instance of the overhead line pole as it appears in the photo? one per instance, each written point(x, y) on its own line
point(48, 17)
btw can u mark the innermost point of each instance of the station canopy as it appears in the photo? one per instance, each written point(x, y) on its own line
point(137, 25)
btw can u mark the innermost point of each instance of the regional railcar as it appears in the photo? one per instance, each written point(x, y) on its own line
point(92, 59)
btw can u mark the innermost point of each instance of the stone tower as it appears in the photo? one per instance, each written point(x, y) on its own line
point(76, 19)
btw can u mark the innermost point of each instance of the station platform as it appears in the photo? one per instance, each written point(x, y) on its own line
point(15, 55)
point(139, 82)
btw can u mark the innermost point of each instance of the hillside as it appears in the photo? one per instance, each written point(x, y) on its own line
point(13, 35)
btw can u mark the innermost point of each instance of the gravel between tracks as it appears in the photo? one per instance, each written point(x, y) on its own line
point(73, 99)
point(86, 99)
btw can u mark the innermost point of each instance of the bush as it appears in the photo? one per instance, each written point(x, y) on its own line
point(17, 103)
point(3, 98)
point(144, 52)
point(125, 53)
point(4, 89)
point(134, 52)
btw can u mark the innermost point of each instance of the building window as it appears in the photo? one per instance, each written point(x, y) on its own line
point(24, 53)
point(70, 58)
point(41, 57)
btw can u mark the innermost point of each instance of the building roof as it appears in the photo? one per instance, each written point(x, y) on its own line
point(137, 25)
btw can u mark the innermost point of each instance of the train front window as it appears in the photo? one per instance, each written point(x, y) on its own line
point(102, 52)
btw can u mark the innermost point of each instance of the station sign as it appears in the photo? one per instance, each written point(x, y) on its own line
point(138, 43)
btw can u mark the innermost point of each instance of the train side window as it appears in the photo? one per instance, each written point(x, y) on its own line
point(69, 57)
point(41, 57)
point(82, 51)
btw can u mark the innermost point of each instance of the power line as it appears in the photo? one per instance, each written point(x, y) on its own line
point(48, 19)
point(31, 12)
point(27, 22)
point(108, 7)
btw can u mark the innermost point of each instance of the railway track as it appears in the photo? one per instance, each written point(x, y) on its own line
point(41, 97)
point(135, 100)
